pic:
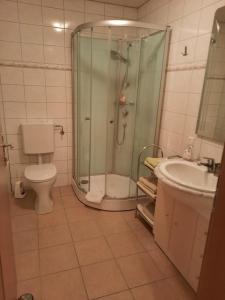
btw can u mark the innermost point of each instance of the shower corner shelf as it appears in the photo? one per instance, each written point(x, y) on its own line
point(146, 210)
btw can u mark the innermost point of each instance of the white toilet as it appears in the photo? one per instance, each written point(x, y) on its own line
point(38, 139)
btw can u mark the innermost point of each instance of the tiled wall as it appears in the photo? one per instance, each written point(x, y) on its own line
point(191, 21)
point(37, 33)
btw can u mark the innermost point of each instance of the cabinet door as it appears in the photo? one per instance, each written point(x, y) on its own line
point(182, 236)
point(163, 217)
point(198, 252)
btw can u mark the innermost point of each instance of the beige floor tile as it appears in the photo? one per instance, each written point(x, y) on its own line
point(66, 190)
point(25, 241)
point(58, 258)
point(27, 265)
point(146, 238)
point(78, 213)
point(25, 222)
point(71, 201)
point(124, 243)
point(83, 230)
point(139, 269)
point(92, 251)
point(32, 286)
point(23, 206)
point(181, 287)
point(57, 202)
point(163, 262)
point(133, 222)
point(64, 285)
point(103, 279)
point(162, 290)
point(112, 224)
point(52, 236)
point(55, 192)
point(120, 296)
point(55, 218)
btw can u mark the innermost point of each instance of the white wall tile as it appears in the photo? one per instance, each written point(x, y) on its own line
point(15, 110)
point(13, 92)
point(55, 78)
point(73, 19)
point(61, 166)
point(53, 3)
point(191, 21)
point(53, 17)
point(94, 7)
point(77, 5)
point(36, 110)
point(56, 110)
point(113, 11)
point(35, 2)
point(10, 51)
point(13, 126)
point(130, 13)
point(54, 55)
point(56, 94)
point(31, 34)
point(60, 154)
point(53, 36)
point(11, 75)
point(35, 93)
point(8, 11)
point(9, 31)
point(34, 76)
point(30, 14)
point(32, 53)
point(176, 9)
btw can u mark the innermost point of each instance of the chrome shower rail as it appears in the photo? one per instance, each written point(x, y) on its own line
point(120, 23)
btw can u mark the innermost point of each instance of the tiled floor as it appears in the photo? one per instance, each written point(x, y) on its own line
point(78, 253)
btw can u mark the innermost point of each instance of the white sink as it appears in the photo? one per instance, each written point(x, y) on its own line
point(189, 175)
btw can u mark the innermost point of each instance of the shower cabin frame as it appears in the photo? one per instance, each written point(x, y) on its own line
point(130, 202)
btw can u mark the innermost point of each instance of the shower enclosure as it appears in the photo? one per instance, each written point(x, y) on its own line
point(118, 81)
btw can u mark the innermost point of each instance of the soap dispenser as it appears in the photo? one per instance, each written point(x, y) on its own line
point(188, 151)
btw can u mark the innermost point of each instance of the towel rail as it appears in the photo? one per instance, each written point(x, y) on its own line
point(156, 149)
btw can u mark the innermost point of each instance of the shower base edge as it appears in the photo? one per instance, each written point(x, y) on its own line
point(106, 204)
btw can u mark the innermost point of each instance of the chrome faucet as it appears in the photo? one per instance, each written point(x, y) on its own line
point(209, 163)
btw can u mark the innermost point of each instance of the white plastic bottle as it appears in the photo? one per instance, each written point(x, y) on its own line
point(188, 151)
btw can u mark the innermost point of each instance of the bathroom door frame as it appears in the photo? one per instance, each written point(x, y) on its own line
point(212, 278)
point(7, 261)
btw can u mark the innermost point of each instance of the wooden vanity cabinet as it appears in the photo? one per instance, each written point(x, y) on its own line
point(181, 233)
point(163, 218)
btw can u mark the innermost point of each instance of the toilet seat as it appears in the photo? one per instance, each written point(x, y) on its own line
point(40, 173)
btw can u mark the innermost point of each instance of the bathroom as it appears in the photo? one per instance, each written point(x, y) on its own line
point(76, 250)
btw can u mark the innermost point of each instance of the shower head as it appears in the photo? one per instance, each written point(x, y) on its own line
point(117, 56)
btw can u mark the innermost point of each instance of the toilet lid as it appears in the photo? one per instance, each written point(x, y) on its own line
point(38, 173)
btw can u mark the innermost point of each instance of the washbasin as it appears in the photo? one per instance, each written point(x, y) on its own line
point(189, 175)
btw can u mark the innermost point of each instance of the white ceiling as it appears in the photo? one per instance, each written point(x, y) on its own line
point(130, 3)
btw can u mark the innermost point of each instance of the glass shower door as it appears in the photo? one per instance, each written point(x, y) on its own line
point(149, 92)
point(83, 115)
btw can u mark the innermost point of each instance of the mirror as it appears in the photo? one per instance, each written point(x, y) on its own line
point(211, 118)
